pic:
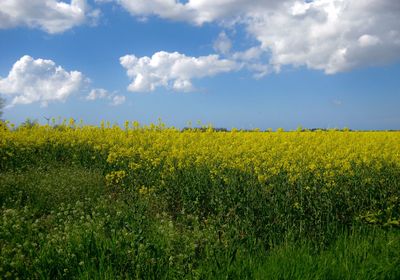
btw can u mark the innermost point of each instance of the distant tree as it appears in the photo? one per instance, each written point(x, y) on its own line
point(2, 123)
point(2, 103)
point(204, 129)
point(28, 123)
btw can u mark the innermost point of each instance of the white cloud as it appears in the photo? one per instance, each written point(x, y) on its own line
point(172, 70)
point(101, 93)
point(195, 11)
point(251, 54)
point(223, 44)
point(97, 93)
point(39, 80)
point(118, 100)
point(252, 59)
point(51, 16)
point(328, 35)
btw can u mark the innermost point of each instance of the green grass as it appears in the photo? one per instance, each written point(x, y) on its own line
point(363, 254)
point(44, 189)
point(62, 222)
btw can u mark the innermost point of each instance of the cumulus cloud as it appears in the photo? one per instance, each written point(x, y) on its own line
point(39, 80)
point(51, 16)
point(332, 36)
point(101, 93)
point(172, 70)
point(328, 35)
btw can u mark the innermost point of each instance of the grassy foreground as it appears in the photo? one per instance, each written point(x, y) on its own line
point(61, 222)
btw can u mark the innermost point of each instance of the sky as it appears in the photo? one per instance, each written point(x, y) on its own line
point(229, 63)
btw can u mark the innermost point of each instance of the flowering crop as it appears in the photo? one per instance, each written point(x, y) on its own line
point(339, 175)
point(157, 202)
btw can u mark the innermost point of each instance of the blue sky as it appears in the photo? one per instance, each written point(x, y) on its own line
point(306, 67)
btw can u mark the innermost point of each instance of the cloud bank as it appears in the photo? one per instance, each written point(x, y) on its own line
point(328, 35)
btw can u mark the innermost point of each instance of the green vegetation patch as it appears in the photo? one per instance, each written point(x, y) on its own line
point(62, 222)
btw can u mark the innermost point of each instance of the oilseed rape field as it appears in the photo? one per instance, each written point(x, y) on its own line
point(155, 202)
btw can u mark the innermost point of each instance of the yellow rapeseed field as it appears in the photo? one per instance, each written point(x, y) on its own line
point(155, 199)
point(327, 154)
point(150, 159)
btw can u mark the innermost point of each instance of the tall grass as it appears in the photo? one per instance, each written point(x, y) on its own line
point(62, 223)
